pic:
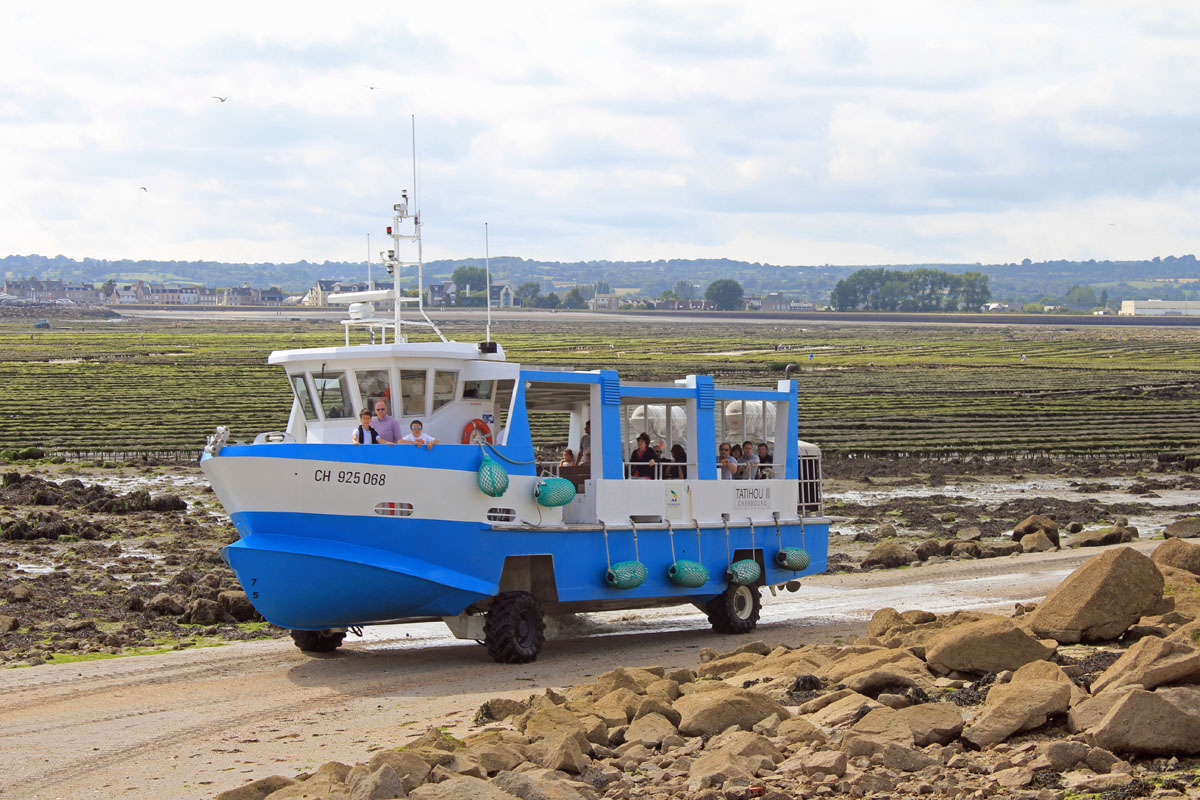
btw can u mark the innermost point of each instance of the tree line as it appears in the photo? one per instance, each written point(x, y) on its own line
point(885, 289)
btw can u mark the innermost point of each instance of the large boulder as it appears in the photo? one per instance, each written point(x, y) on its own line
point(1151, 662)
point(1179, 554)
point(1101, 537)
point(237, 605)
point(165, 605)
point(990, 645)
point(1101, 599)
point(256, 790)
point(1034, 524)
point(889, 555)
point(1016, 706)
point(715, 768)
point(1165, 722)
point(707, 713)
point(459, 787)
point(1037, 542)
point(1183, 529)
point(932, 723)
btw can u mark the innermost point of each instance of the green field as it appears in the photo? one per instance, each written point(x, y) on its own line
point(133, 385)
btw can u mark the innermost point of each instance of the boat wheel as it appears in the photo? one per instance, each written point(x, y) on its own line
point(514, 629)
point(318, 641)
point(735, 610)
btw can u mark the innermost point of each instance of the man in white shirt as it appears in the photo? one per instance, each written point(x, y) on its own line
point(727, 465)
point(417, 436)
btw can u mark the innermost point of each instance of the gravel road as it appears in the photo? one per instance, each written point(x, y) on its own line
point(196, 722)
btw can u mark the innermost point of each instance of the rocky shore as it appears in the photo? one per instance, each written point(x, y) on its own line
point(1095, 691)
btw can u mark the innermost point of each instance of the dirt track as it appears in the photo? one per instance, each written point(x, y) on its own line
point(196, 722)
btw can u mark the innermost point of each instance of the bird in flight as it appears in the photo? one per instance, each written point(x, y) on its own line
point(144, 189)
point(222, 99)
point(369, 86)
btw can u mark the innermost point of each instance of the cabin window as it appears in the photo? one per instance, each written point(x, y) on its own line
point(478, 390)
point(300, 387)
point(666, 424)
point(445, 386)
point(374, 384)
point(504, 396)
point(746, 420)
point(333, 394)
point(412, 392)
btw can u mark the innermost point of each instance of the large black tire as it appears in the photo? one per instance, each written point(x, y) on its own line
point(514, 630)
point(735, 610)
point(318, 641)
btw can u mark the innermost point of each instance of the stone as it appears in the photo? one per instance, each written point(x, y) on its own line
point(164, 605)
point(237, 605)
point(500, 708)
point(656, 705)
point(203, 611)
point(745, 744)
point(497, 757)
point(1150, 723)
point(715, 768)
point(728, 665)
point(1086, 714)
point(1037, 523)
point(1099, 538)
point(1089, 782)
point(566, 752)
point(824, 762)
point(966, 550)
point(1061, 755)
point(1013, 777)
point(883, 621)
point(990, 645)
point(1036, 542)
point(706, 713)
point(8, 623)
point(843, 710)
point(382, 784)
point(932, 723)
point(410, 768)
point(533, 786)
point(885, 531)
point(889, 555)
point(1101, 599)
point(1183, 529)
point(902, 758)
point(969, 534)
point(18, 594)
point(798, 730)
point(1014, 707)
point(256, 790)
point(1149, 663)
point(1000, 549)
point(1179, 554)
point(928, 549)
point(460, 787)
point(328, 783)
point(650, 729)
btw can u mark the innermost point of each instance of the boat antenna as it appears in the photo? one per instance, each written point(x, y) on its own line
point(487, 270)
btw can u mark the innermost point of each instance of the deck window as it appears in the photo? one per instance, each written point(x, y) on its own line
point(333, 394)
point(445, 387)
point(478, 390)
point(300, 387)
point(374, 384)
point(412, 392)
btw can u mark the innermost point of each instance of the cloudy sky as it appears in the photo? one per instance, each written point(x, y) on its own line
point(783, 132)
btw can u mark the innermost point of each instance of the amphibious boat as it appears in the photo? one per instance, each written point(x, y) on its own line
point(480, 530)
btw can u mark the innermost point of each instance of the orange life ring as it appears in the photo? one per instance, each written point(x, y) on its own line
point(474, 426)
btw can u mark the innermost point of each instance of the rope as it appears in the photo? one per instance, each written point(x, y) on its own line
point(483, 443)
point(607, 555)
point(671, 534)
point(699, 555)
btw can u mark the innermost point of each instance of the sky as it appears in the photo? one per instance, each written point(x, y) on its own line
point(798, 133)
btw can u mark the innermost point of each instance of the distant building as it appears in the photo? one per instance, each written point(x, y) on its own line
point(444, 293)
point(1160, 308)
point(503, 295)
point(605, 302)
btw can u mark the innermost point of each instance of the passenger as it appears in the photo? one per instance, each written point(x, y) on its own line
point(659, 446)
point(364, 433)
point(735, 452)
point(749, 462)
point(417, 437)
point(726, 463)
point(678, 468)
point(568, 458)
point(765, 464)
point(386, 426)
point(585, 444)
point(643, 458)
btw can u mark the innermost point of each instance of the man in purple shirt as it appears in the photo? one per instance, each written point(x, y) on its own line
point(388, 428)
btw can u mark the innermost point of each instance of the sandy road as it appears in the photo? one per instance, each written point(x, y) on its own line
point(193, 723)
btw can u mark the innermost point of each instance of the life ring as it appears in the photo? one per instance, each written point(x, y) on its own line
point(476, 426)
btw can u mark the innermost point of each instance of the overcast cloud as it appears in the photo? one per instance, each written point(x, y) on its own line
point(782, 132)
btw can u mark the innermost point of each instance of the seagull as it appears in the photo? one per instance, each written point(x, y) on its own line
point(369, 86)
point(222, 99)
point(144, 189)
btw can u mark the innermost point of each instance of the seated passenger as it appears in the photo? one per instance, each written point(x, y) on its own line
point(568, 458)
point(678, 467)
point(765, 464)
point(415, 435)
point(364, 433)
point(643, 459)
point(726, 463)
point(749, 461)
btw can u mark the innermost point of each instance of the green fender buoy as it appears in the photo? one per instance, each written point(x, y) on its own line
point(793, 558)
point(626, 575)
point(493, 478)
point(691, 574)
point(744, 572)
point(553, 492)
